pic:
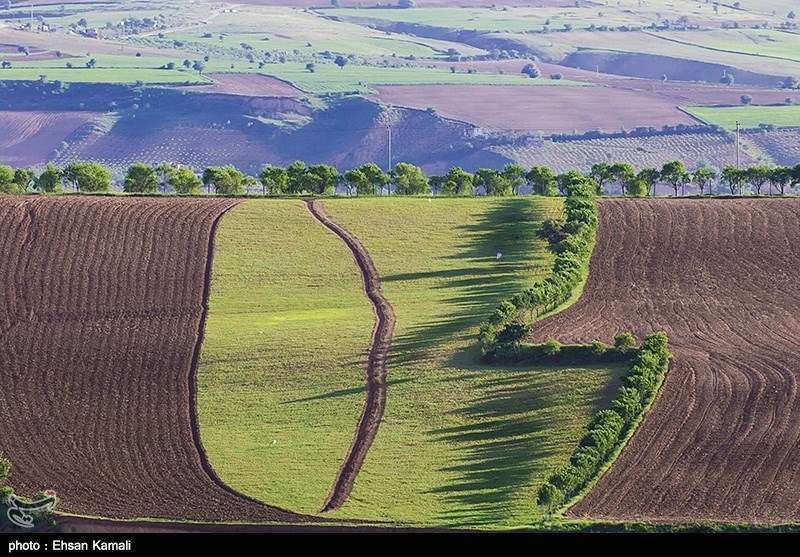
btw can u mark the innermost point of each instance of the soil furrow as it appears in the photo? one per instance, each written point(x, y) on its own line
point(97, 367)
point(375, 401)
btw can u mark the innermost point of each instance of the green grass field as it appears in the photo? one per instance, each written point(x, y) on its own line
point(747, 116)
point(461, 444)
point(287, 333)
point(329, 78)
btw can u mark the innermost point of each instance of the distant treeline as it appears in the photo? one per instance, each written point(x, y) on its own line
point(404, 179)
point(642, 131)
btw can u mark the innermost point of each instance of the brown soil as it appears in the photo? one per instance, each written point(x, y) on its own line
point(722, 443)
point(375, 402)
point(30, 137)
point(249, 85)
point(548, 109)
point(101, 315)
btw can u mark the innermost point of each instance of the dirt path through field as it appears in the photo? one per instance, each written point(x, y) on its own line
point(375, 402)
point(722, 443)
point(102, 305)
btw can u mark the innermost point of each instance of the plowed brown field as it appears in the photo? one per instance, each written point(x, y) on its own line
point(102, 304)
point(722, 443)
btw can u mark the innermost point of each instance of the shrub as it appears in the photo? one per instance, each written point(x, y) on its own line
point(624, 342)
point(549, 496)
point(598, 348)
point(551, 347)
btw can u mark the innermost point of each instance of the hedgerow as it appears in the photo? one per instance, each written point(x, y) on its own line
point(610, 427)
point(573, 246)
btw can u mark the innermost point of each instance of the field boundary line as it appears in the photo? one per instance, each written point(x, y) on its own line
point(375, 400)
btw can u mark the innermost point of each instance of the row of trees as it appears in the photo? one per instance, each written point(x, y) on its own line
point(571, 240)
point(674, 173)
point(404, 179)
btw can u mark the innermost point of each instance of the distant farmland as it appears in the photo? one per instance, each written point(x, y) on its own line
point(714, 149)
point(27, 137)
point(553, 110)
point(748, 116)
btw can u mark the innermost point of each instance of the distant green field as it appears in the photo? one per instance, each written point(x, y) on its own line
point(755, 42)
point(329, 78)
point(511, 20)
point(103, 75)
point(748, 116)
point(365, 45)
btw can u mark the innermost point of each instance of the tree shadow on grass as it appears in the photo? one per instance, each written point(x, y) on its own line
point(343, 392)
point(503, 446)
point(471, 292)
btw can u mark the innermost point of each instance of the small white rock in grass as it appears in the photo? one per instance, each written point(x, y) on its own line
point(499, 255)
point(274, 441)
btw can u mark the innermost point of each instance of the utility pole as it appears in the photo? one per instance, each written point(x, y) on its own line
point(737, 155)
point(389, 167)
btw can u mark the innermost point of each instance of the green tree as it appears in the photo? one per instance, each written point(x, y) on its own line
point(649, 176)
point(88, 176)
point(675, 173)
point(758, 176)
point(494, 183)
point(296, 176)
point(227, 180)
point(624, 174)
point(358, 183)
point(49, 181)
point(23, 178)
point(457, 181)
point(140, 178)
point(164, 171)
point(514, 334)
point(702, 178)
point(638, 187)
point(515, 175)
point(184, 181)
point(542, 181)
point(274, 180)
point(572, 178)
point(340, 61)
point(781, 178)
point(409, 180)
point(733, 178)
point(746, 99)
point(601, 173)
point(624, 342)
point(436, 183)
point(549, 497)
point(7, 184)
point(321, 179)
point(376, 176)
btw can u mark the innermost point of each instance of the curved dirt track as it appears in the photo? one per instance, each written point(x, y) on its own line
point(101, 313)
point(375, 402)
point(722, 443)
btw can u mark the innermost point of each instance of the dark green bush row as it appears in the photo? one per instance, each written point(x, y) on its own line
point(573, 246)
point(609, 427)
point(554, 353)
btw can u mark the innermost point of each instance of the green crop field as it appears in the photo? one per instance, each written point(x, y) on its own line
point(103, 75)
point(511, 20)
point(748, 116)
point(754, 42)
point(329, 78)
point(461, 443)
